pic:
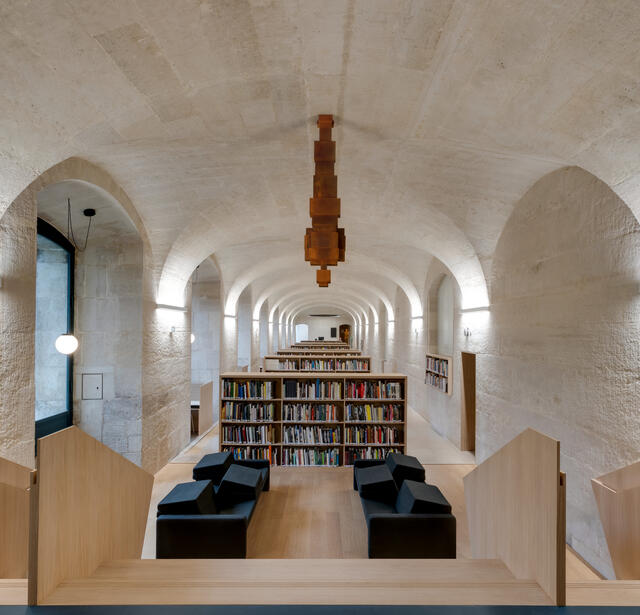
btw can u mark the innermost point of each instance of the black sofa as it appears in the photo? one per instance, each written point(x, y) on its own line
point(405, 518)
point(207, 519)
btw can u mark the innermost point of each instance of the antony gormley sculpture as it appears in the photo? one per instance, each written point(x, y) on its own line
point(324, 242)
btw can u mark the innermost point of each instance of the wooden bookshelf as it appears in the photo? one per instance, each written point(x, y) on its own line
point(324, 352)
point(324, 345)
point(439, 373)
point(313, 419)
point(316, 363)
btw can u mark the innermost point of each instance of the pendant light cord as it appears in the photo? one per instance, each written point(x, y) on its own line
point(70, 235)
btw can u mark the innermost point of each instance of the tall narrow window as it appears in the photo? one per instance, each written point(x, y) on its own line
point(54, 316)
point(445, 316)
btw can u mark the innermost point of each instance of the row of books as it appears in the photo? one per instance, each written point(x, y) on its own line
point(369, 452)
point(254, 452)
point(374, 390)
point(310, 457)
point(310, 434)
point(329, 365)
point(248, 434)
point(312, 389)
point(372, 435)
point(441, 366)
point(370, 413)
point(309, 412)
point(249, 389)
point(288, 364)
point(440, 382)
point(235, 411)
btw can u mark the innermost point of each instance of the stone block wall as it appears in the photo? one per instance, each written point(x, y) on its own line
point(562, 349)
point(108, 309)
point(17, 331)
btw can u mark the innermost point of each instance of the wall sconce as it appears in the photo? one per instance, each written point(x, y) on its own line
point(193, 338)
point(66, 343)
point(167, 306)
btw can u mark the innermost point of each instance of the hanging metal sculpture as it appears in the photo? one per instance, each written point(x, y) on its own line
point(324, 242)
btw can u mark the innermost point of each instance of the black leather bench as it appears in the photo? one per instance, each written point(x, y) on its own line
point(206, 520)
point(405, 518)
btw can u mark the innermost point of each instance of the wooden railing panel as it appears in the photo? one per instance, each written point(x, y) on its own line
point(515, 508)
point(618, 497)
point(92, 508)
point(15, 484)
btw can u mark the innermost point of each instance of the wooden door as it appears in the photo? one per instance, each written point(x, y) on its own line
point(468, 402)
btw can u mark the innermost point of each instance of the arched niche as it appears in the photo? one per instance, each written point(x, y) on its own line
point(18, 301)
point(561, 353)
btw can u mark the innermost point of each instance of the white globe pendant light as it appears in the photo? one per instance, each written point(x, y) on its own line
point(66, 343)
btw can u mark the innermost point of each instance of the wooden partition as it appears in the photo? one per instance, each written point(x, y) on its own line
point(618, 496)
point(92, 508)
point(15, 492)
point(205, 412)
point(516, 511)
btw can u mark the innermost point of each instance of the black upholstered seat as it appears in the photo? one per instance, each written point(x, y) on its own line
point(195, 498)
point(240, 484)
point(376, 483)
point(404, 467)
point(420, 498)
point(213, 467)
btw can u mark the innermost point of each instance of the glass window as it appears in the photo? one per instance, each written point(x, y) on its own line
point(54, 316)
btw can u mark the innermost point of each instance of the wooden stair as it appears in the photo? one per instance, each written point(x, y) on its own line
point(302, 581)
point(13, 591)
point(603, 593)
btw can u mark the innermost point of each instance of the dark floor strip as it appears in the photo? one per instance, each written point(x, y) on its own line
point(315, 610)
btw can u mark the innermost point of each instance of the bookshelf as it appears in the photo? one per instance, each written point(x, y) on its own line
point(439, 373)
point(317, 363)
point(320, 419)
point(321, 346)
point(328, 352)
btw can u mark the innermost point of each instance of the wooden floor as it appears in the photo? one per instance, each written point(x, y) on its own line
point(306, 581)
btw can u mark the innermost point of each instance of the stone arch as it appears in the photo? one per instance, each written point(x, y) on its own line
point(17, 300)
point(560, 339)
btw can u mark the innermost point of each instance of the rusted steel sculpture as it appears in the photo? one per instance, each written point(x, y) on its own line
point(324, 242)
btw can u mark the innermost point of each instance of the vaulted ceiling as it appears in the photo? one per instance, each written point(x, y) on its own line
point(204, 111)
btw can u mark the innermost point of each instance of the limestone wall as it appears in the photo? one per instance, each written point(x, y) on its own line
point(108, 325)
point(166, 378)
point(562, 350)
point(17, 331)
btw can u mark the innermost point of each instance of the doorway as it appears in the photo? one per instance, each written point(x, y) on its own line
point(345, 334)
point(468, 402)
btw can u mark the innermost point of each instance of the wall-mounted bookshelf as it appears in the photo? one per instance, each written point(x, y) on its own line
point(328, 418)
point(439, 373)
point(317, 363)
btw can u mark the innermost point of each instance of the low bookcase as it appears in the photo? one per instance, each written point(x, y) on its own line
point(313, 419)
point(317, 363)
point(438, 372)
